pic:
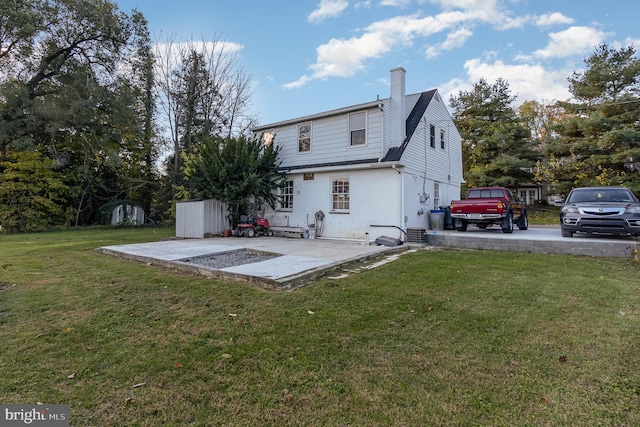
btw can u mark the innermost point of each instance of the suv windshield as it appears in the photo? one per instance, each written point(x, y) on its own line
point(600, 195)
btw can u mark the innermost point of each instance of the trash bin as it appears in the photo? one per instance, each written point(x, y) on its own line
point(448, 220)
point(437, 219)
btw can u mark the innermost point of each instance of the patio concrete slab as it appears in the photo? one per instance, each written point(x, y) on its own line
point(300, 260)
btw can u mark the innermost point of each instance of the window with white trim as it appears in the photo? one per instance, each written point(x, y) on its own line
point(286, 196)
point(358, 128)
point(432, 135)
point(442, 138)
point(340, 194)
point(304, 138)
point(436, 195)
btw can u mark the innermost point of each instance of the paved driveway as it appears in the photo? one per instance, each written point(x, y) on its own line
point(535, 239)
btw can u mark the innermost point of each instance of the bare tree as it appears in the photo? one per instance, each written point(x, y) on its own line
point(202, 90)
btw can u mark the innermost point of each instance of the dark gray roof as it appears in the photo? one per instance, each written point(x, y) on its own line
point(395, 153)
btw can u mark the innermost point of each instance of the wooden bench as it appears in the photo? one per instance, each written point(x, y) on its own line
point(287, 231)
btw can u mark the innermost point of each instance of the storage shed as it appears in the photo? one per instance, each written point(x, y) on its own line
point(196, 218)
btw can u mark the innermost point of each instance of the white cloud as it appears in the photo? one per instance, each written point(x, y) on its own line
point(572, 41)
point(454, 40)
point(555, 18)
point(327, 9)
point(395, 3)
point(346, 57)
point(366, 4)
point(635, 42)
point(526, 81)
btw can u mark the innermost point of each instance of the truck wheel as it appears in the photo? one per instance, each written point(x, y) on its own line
point(507, 223)
point(566, 233)
point(460, 225)
point(523, 222)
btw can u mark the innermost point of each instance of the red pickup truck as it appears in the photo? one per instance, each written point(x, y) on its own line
point(485, 206)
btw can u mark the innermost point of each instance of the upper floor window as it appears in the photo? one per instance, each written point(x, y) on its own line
point(268, 137)
point(304, 137)
point(357, 128)
point(432, 135)
point(286, 196)
point(340, 194)
point(442, 138)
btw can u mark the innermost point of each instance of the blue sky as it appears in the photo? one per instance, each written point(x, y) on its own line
point(306, 57)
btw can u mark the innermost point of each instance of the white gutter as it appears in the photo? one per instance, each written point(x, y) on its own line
point(363, 166)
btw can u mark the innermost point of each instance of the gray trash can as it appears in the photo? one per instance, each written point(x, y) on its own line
point(437, 219)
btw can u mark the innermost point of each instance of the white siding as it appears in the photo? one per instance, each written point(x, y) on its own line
point(436, 164)
point(379, 195)
point(330, 141)
point(374, 200)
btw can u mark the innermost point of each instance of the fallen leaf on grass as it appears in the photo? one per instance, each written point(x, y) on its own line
point(177, 365)
point(128, 400)
point(139, 385)
point(562, 359)
point(72, 376)
point(311, 312)
point(68, 330)
point(233, 315)
point(226, 356)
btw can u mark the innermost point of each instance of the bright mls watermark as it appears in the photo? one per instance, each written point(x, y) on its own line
point(34, 415)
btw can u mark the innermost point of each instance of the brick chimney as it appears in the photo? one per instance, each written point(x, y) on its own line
point(398, 127)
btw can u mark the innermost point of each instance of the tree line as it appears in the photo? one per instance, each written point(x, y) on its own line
point(93, 114)
point(591, 140)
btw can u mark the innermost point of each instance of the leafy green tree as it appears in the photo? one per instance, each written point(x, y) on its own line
point(20, 20)
point(235, 171)
point(84, 98)
point(497, 145)
point(599, 142)
point(33, 197)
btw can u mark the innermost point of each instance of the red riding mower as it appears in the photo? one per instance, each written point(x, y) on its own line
point(253, 226)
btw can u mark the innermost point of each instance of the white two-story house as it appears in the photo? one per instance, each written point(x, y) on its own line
point(368, 170)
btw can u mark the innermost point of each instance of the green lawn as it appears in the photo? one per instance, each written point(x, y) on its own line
point(544, 215)
point(438, 337)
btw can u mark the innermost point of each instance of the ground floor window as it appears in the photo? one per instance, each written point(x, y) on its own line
point(340, 194)
point(286, 197)
point(436, 195)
